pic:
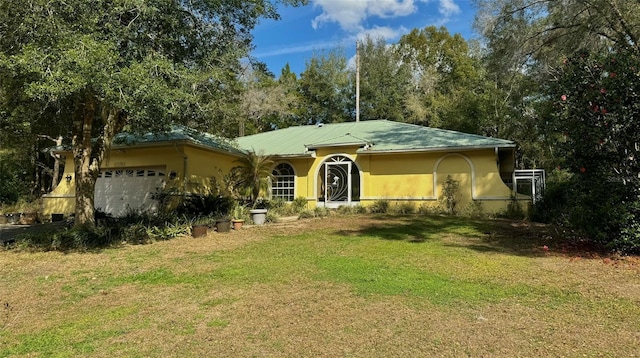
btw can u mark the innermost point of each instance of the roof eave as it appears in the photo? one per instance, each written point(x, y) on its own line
point(435, 149)
point(333, 145)
point(292, 156)
point(236, 152)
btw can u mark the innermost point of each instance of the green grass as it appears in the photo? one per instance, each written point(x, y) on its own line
point(73, 305)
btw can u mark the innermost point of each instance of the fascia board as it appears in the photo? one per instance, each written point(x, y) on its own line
point(434, 150)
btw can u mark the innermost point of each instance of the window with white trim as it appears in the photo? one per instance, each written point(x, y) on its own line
point(283, 183)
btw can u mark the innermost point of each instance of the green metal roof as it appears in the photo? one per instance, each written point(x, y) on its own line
point(374, 136)
point(178, 133)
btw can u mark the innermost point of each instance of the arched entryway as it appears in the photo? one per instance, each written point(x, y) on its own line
point(460, 169)
point(338, 182)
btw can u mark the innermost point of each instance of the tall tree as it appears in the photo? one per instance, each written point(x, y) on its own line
point(116, 64)
point(384, 81)
point(523, 33)
point(574, 66)
point(325, 90)
point(597, 119)
point(266, 103)
point(449, 85)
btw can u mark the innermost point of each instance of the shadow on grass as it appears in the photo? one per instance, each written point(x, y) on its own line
point(415, 228)
point(42, 238)
point(391, 228)
point(481, 235)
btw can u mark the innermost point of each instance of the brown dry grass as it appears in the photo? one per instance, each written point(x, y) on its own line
point(72, 303)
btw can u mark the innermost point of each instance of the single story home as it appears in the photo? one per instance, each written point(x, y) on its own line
point(353, 163)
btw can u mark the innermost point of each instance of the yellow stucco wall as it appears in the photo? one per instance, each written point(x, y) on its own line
point(204, 165)
point(397, 177)
point(413, 177)
point(62, 198)
point(193, 167)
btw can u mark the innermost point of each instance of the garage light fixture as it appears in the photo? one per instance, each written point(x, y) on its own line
point(172, 175)
point(68, 178)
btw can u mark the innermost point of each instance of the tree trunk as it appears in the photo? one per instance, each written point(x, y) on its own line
point(82, 149)
point(56, 165)
point(88, 156)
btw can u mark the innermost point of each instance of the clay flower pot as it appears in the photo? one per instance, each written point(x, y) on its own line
point(237, 224)
point(199, 230)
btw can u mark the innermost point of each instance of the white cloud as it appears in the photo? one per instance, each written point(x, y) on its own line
point(384, 32)
point(391, 8)
point(350, 14)
point(448, 8)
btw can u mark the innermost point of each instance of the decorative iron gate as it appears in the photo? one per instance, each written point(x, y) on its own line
point(337, 184)
point(340, 181)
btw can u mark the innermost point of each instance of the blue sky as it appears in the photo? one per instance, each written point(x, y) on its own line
point(326, 24)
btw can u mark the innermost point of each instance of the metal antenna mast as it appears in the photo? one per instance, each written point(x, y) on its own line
point(357, 83)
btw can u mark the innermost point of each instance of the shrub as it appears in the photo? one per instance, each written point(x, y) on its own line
point(605, 213)
point(280, 207)
point(513, 211)
point(299, 204)
point(475, 209)
point(629, 240)
point(380, 206)
point(321, 211)
point(595, 96)
point(351, 209)
point(196, 205)
point(428, 209)
point(403, 208)
point(271, 216)
point(306, 214)
point(450, 195)
point(133, 228)
point(552, 207)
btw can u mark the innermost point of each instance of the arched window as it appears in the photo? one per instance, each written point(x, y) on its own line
point(283, 184)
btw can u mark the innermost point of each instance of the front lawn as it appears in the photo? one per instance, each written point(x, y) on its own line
point(339, 286)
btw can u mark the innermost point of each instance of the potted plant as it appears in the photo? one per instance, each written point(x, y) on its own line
point(259, 212)
point(253, 177)
point(238, 214)
point(200, 226)
point(223, 224)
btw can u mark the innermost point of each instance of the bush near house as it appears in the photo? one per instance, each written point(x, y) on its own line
point(596, 118)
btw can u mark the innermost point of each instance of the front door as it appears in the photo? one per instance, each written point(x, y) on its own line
point(337, 183)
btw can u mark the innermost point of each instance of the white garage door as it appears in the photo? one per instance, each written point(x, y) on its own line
point(122, 189)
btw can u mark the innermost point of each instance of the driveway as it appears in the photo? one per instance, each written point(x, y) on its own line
point(8, 233)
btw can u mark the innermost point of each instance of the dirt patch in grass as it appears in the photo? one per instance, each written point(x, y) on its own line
point(277, 290)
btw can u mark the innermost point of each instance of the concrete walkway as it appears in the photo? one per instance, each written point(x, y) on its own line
point(8, 233)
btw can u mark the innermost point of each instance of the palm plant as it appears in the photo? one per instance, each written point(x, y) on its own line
point(253, 175)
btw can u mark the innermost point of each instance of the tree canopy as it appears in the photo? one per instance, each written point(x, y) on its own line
point(572, 68)
point(107, 65)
